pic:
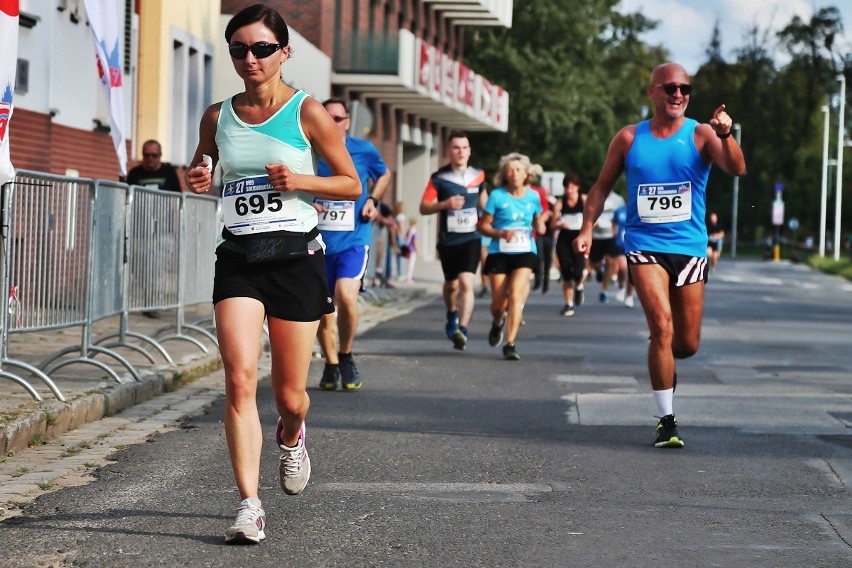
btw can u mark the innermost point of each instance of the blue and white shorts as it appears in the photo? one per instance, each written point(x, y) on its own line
point(350, 263)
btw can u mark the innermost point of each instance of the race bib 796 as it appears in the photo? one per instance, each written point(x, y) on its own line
point(664, 202)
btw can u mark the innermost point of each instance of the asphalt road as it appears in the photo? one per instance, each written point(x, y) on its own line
point(464, 459)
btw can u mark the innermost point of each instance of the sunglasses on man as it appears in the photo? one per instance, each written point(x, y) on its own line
point(671, 88)
point(260, 50)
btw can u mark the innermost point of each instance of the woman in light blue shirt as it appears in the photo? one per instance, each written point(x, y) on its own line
point(510, 217)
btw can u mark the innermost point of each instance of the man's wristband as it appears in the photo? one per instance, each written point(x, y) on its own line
point(723, 136)
point(375, 201)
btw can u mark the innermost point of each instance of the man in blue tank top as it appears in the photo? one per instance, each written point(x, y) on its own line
point(345, 228)
point(667, 160)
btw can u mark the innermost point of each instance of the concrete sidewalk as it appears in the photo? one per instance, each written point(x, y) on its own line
point(92, 394)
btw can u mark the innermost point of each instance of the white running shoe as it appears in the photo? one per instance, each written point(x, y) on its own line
point(248, 528)
point(294, 467)
point(628, 301)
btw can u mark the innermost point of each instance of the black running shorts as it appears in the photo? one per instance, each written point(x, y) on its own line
point(682, 269)
point(502, 263)
point(571, 264)
point(292, 290)
point(603, 247)
point(456, 259)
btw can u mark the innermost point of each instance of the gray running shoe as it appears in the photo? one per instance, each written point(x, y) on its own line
point(248, 528)
point(294, 467)
point(579, 296)
point(567, 311)
point(350, 377)
point(495, 336)
point(460, 338)
point(331, 378)
point(510, 353)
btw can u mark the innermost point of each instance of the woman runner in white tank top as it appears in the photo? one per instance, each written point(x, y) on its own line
point(264, 139)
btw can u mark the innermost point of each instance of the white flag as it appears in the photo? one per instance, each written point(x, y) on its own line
point(8, 66)
point(103, 19)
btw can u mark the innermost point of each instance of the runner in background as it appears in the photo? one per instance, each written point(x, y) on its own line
point(345, 228)
point(456, 192)
point(567, 220)
point(511, 217)
point(543, 240)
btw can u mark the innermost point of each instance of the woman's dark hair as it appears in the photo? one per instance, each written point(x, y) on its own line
point(337, 101)
point(571, 178)
point(259, 13)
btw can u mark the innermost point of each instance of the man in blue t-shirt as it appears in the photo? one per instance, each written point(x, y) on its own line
point(345, 228)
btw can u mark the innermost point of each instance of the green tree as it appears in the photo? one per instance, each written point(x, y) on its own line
point(574, 70)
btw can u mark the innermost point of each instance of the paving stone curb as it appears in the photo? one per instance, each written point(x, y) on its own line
point(45, 420)
point(38, 422)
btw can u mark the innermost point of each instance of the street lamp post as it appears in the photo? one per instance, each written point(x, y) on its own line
point(824, 188)
point(838, 198)
point(735, 207)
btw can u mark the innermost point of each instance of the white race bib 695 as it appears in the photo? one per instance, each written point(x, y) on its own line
point(338, 215)
point(664, 202)
point(251, 205)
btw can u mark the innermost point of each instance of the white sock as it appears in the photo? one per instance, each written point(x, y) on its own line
point(663, 399)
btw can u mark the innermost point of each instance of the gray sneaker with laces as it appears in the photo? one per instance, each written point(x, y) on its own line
point(294, 467)
point(350, 378)
point(248, 528)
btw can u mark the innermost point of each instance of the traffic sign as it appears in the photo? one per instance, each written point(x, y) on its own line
point(778, 212)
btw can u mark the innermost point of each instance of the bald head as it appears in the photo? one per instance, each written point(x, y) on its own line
point(669, 73)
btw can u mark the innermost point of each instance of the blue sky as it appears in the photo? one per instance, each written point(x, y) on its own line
point(685, 26)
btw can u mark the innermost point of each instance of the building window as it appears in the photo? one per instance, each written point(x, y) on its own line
point(192, 87)
point(128, 36)
point(22, 77)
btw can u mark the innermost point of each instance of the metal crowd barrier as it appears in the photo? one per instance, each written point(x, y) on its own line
point(76, 251)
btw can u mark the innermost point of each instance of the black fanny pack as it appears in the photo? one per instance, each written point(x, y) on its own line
point(274, 247)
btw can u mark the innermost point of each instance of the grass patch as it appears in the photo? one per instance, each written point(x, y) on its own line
point(21, 471)
point(45, 485)
point(36, 440)
point(91, 465)
point(73, 451)
point(50, 418)
point(842, 267)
